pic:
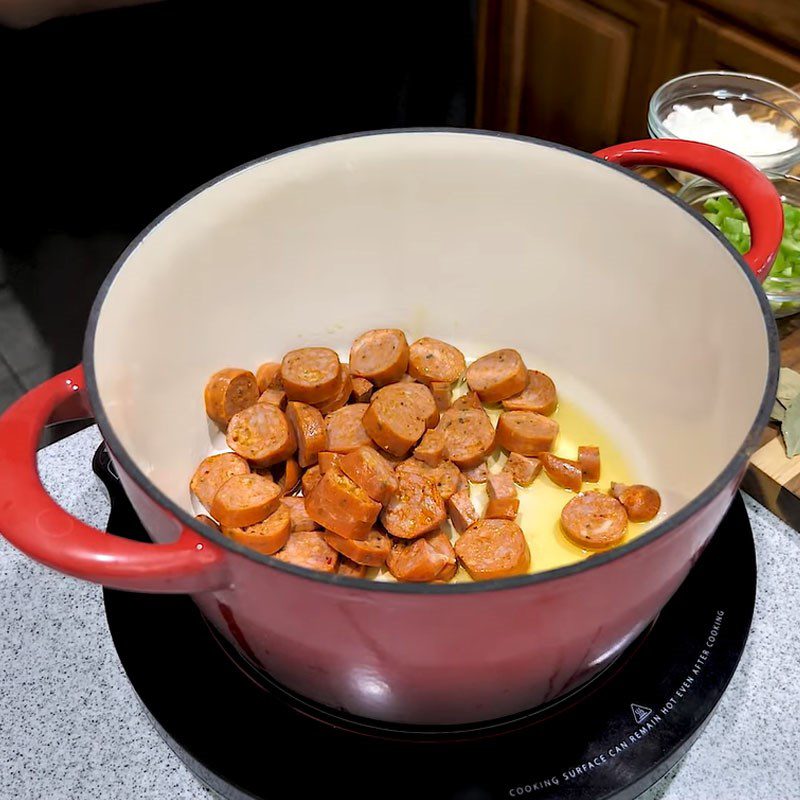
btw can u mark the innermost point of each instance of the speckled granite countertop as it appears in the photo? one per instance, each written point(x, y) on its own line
point(71, 727)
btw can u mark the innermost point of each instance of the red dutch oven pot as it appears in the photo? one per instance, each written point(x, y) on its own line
point(641, 311)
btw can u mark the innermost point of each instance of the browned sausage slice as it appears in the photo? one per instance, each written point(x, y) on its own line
point(500, 486)
point(273, 397)
point(502, 508)
point(290, 476)
point(213, 472)
point(371, 552)
point(442, 395)
point(468, 435)
point(468, 400)
point(267, 536)
point(381, 356)
point(311, 477)
point(310, 550)
point(229, 391)
point(498, 375)
point(526, 432)
point(350, 569)
point(362, 390)
point(539, 395)
point(589, 462)
point(393, 423)
point(326, 460)
point(562, 471)
point(461, 510)
point(523, 470)
point(422, 560)
point(345, 430)
point(594, 520)
point(311, 374)
point(641, 502)
point(372, 472)
point(262, 435)
point(446, 475)
point(493, 548)
point(342, 393)
point(298, 516)
point(245, 500)
point(416, 508)
point(432, 360)
point(342, 506)
point(268, 376)
point(431, 448)
point(420, 399)
point(479, 474)
point(207, 521)
point(309, 430)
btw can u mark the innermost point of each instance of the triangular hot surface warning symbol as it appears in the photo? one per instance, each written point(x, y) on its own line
point(640, 713)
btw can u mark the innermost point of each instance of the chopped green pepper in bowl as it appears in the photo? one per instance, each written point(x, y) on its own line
point(782, 286)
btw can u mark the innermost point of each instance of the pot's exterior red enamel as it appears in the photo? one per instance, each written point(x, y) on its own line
point(406, 653)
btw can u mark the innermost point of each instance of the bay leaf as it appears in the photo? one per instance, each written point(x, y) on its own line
point(790, 428)
point(778, 412)
point(788, 386)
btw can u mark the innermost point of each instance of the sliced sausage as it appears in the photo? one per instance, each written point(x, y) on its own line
point(461, 510)
point(468, 400)
point(207, 521)
point(431, 448)
point(594, 520)
point(523, 470)
point(342, 506)
point(372, 472)
point(562, 471)
point(229, 391)
point(498, 375)
point(362, 390)
point(309, 430)
point(463, 483)
point(342, 394)
point(311, 477)
point(589, 462)
point(502, 508)
point(245, 500)
point(432, 360)
point(423, 560)
point(641, 502)
point(371, 552)
point(290, 476)
point(442, 395)
point(350, 569)
point(267, 536)
point(268, 376)
point(393, 423)
point(345, 430)
point(446, 475)
point(500, 486)
point(469, 436)
point(416, 507)
point(262, 435)
point(526, 432)
point(479, 474)
point(420, 399)
point(326, 460)
point(493, 548)
point(213, 472)
point(539, 395)
point(380, 356)
point(310, 550)
point(311, 374)
point(274, 397)
point(298, 516)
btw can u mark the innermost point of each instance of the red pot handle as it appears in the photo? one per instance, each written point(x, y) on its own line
point(36, 525)
point(752, 190)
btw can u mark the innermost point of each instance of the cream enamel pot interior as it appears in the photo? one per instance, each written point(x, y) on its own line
point(641, 311)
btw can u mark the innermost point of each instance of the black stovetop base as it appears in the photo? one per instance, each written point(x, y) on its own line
point(613, 738)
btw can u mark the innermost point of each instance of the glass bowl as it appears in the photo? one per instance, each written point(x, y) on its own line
point(763, 100)
point(781, 287)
